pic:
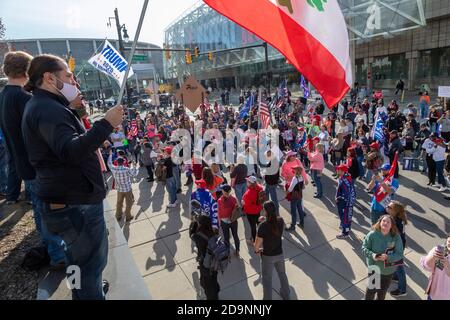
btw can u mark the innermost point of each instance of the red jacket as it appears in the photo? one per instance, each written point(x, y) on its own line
point(250, 198)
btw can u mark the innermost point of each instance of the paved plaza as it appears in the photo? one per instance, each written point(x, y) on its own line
point(318, 265)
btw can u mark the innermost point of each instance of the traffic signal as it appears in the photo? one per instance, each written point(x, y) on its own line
point(188, 57)
point(210, 56)
point(72, 64)
point(197, 52)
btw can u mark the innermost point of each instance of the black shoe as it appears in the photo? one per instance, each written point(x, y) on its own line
point(291, 228)
point(447, 197)
point(11, 202)
point(105, 286)
point(396, 293)
point(301, 225)
point(178, 191)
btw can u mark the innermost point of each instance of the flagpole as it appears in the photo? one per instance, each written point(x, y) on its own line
point(133, 49)
point(259, 108)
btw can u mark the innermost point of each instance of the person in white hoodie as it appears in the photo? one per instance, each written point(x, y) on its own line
point(438, 152)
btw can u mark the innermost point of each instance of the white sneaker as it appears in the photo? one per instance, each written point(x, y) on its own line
point(173, 205)
point(443, 189)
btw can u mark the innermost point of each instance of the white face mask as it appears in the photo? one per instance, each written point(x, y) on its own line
point(69, 91)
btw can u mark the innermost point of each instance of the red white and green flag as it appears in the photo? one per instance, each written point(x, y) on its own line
point(311, 34)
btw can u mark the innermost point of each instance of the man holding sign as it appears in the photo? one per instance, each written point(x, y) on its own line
point(69, 178)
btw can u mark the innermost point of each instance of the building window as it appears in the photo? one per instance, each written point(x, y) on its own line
point(434, 63)
point(390, 67)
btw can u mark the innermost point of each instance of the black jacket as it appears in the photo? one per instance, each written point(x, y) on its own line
point(12, 105)
point(62, 152)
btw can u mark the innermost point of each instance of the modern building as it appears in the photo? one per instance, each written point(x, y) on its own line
point(147, 65)
point(390, 39)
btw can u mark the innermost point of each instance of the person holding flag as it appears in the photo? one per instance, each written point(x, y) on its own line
point(384, 189)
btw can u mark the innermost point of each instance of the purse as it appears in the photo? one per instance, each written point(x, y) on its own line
point(236, 214)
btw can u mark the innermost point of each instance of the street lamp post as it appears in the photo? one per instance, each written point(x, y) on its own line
point(122, 50)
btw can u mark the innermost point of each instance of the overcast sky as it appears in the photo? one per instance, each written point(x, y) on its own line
point(25, 19)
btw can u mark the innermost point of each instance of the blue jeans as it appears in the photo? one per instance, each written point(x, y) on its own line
point(318, 181)
point(14, 182)
point(296, 206)
point(240, 189)
point(226, 228)
point(424, 110)
point(171, 187)
point(401, 275)
point(440, 172)
point(272, 191)
point(83, 230)
point(55, 245)
point(345, 215)
point(362, 170)
point(3, 168)
point(176, 175)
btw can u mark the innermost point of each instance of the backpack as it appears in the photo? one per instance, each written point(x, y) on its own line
point(262, 197)
point(160, 172)
point(217, 255)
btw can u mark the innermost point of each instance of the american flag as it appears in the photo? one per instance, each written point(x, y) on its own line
point(264, 113)
point(133, 130)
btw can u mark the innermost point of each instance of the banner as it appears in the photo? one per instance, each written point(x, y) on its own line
point(110, 62)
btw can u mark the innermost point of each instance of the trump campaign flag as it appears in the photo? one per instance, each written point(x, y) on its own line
point(311, 34)
point(110, 62)
point(380, 194)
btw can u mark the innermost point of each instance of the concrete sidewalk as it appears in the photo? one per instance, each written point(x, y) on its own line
point(318, 265)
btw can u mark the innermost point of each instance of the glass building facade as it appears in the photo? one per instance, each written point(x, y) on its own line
point(390, 39)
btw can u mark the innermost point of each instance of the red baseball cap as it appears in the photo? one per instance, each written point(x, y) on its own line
point(168, 150)
point(316, 139)
point(342, 167)
point(374, 145)
point(201, 183)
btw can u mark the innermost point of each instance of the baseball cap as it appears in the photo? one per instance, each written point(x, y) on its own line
point(251, 179)
point(342, 167)
point(168, 150)
point(201, 183)
point(374, 145)
point(291, 153)
point(386, 167)
point(393, 132)
point(226, 188)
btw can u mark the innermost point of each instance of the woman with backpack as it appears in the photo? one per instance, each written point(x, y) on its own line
point(268, 245)
point(252, 204)
point(295, 195)
point(201, 232)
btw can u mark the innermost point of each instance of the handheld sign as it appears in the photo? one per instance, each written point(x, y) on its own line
point(444, 92)
point(191, 94)
point(110, 62)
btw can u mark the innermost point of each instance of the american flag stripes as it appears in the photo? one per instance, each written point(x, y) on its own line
point(264, 113)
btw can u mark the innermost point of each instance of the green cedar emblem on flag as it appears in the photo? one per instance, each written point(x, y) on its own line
point(318, 4)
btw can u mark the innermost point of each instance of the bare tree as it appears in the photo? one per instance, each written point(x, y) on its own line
point(3, 45)
point(2, 29)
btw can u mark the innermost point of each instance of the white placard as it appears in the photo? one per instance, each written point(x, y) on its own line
point(444, 92)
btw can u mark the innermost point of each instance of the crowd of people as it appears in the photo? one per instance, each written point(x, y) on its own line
point(65, 161)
